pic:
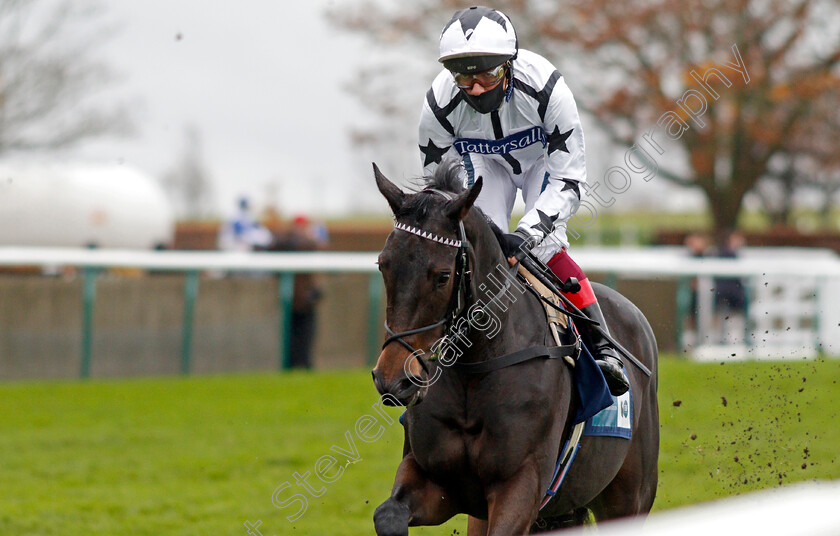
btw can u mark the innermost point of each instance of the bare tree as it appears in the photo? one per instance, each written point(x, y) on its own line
point(50, 76)
point(647, 65)
point(810, 161)
point(188, 183)
point(393, 81)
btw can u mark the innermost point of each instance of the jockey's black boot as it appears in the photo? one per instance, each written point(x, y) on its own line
point(603, 352)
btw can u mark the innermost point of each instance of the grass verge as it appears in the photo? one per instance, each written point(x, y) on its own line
point(203, 455)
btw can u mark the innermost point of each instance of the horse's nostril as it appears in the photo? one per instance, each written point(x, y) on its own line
point(377, 380)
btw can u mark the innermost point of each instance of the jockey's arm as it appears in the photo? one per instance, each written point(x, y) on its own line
point(565, 165)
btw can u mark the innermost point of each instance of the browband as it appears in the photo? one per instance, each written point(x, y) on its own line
point(426, 234)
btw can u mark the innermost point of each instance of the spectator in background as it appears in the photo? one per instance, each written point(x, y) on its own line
point(698, 246)
point(730, 295)
point(307, 294)
point(320, 233)
point(243, 232)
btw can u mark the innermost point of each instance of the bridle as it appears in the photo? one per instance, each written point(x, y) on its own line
point(453, 328)
point(462, 293)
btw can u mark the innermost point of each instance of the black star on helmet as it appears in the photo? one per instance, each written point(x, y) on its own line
point(433, 153)
point(557, 140)
point(470, 18)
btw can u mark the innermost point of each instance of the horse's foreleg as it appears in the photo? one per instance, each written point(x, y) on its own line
point(512, 504)
point(415, 500)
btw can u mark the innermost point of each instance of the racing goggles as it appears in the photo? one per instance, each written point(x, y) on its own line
point(485, 79)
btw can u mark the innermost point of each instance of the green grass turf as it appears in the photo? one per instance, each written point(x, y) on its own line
point(203, 455)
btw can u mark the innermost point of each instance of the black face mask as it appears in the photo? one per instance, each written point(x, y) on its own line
point(487, 101)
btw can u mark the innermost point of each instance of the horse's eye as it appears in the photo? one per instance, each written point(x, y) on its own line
point(441, 279)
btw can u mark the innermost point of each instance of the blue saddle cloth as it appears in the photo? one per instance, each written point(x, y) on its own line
point(591, 386)
point(602, 413)
point(613, 421)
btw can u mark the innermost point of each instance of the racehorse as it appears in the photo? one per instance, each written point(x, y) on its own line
point(483, 439)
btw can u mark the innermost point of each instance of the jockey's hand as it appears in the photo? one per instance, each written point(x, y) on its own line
point(512, 243)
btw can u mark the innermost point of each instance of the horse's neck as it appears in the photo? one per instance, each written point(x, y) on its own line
point(502, 297)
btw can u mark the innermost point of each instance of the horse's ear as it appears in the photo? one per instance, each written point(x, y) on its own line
point(461, 205)
point(391, 191)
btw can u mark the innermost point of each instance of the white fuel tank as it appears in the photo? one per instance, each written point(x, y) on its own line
point(82, 205)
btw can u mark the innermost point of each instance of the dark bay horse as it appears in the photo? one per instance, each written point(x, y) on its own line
point(486, 443)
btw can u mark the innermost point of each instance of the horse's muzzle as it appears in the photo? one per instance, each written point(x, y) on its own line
point(401, 390)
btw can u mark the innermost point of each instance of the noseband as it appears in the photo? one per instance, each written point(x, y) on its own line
point(462, 285)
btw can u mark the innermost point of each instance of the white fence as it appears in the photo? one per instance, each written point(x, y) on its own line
point(791, 311)
point(801, 509)
point(186, 261)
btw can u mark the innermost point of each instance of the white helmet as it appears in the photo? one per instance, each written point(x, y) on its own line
point(477, 39)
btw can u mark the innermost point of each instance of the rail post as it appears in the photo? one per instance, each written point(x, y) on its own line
point(190, 295)
point(684, 292)
point(88, 299)
point(374, 320)
point(285, 295)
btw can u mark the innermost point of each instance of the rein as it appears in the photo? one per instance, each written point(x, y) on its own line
point(520, 356)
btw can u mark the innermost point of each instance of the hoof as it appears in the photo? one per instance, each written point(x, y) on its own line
point(391, 519)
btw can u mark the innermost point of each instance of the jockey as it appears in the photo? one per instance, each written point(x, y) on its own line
point(508, 115)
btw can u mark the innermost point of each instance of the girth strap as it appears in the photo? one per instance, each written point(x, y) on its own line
point(507, 360)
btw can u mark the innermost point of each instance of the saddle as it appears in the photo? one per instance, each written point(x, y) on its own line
point(557, 322)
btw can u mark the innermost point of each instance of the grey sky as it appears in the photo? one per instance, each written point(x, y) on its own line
point(263, 84)
point(261, 81)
